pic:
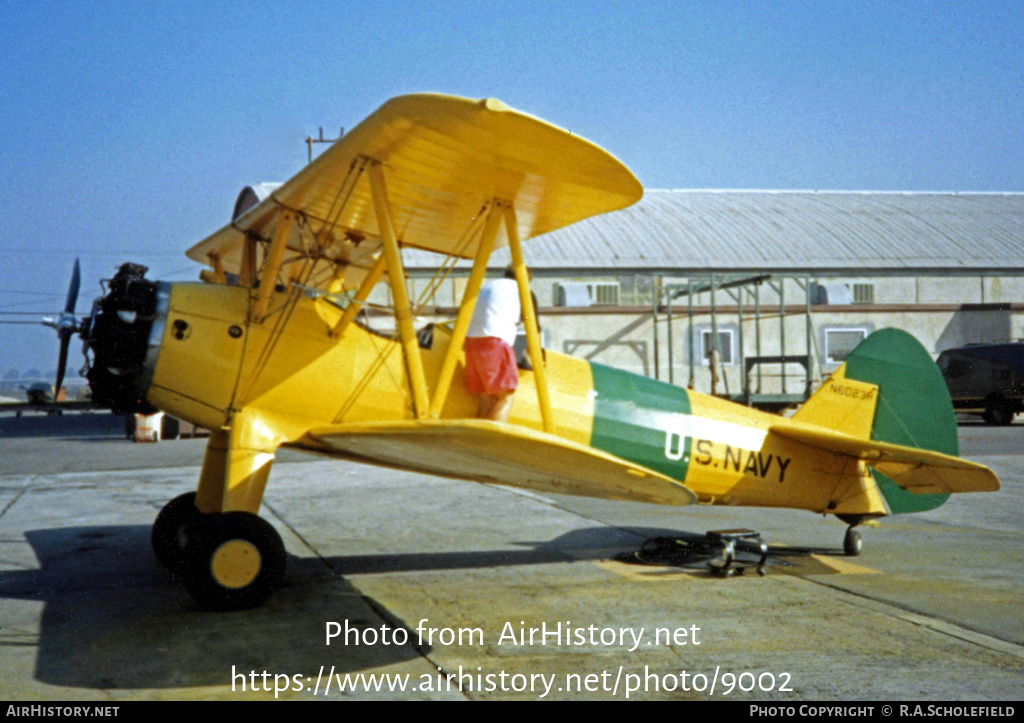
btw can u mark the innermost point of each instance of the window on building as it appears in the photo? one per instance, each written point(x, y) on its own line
point(840, 342)
point(725, 345)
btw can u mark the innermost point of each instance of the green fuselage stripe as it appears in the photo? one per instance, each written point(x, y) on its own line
point(627, 410)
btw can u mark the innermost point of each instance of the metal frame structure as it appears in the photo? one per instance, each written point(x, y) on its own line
point(736, 287)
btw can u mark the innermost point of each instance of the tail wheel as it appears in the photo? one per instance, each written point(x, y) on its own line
point(168, 531)
point(235, 560)
point(852, 543)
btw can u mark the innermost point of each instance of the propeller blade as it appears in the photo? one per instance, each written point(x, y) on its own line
point(62, 361)
point(67, 326)
point(76, 280)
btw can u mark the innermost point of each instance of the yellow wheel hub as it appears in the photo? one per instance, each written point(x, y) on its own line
point(235, 564)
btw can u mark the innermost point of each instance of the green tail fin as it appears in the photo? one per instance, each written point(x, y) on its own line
point(914, 408)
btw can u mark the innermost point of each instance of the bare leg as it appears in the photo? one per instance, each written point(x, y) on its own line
point(496, 407)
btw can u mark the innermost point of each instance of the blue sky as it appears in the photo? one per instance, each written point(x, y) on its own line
point(127, 129)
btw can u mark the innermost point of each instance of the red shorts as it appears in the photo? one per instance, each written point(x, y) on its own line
point(490, 366)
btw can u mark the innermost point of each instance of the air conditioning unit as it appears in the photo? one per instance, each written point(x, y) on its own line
point(604, 293)
point(587, 293)
point(572, 293)
point(831, 294)
point(863, 293)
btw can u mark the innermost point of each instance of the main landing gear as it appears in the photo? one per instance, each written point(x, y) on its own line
point(228, 561)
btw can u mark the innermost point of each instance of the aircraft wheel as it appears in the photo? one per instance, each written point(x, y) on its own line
point(168, 531)
point(235, 560)
point(852, 543)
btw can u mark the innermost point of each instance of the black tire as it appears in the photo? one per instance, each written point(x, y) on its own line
point(998, 412)
point(852, 543)
point(168, 531)
point(235, 561)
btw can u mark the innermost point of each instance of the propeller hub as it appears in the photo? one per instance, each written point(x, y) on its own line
point(66, 324)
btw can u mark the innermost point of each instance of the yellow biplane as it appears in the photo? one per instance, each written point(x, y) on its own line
point(271, 351)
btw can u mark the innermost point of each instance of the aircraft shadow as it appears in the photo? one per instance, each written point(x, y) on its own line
point(693, 551)
point(631, 545)
point(115, 618)
point(591, 543)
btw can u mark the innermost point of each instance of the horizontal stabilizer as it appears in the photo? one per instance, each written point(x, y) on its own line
point(920, 471)
point(506, 454)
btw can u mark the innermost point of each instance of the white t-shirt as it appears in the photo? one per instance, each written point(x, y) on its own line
point(497, 311)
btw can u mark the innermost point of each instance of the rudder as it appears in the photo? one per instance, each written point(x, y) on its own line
point(913, 406)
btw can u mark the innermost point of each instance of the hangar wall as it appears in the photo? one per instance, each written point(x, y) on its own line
point(672, 342)
point(831, 267)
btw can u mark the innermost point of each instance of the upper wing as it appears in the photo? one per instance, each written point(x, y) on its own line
point(918, 470)
point(445, 159)
point(485, 451)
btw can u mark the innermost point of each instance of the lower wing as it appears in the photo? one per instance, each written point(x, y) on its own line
point(485, 451)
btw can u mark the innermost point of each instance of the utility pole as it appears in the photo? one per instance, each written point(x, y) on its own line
point(310, 141)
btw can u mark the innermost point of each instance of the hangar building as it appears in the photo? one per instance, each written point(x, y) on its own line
point(763, 293)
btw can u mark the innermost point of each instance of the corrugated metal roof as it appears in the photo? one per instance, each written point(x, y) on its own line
point(684, 232)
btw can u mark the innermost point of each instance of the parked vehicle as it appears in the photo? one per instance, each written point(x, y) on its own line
point(986, 379)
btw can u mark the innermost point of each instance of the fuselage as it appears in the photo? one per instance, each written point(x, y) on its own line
point(204, 361)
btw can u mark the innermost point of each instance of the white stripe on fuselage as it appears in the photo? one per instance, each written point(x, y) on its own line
point(678, 427)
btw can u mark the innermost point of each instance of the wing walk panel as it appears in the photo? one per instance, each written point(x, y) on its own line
point(492, 452)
